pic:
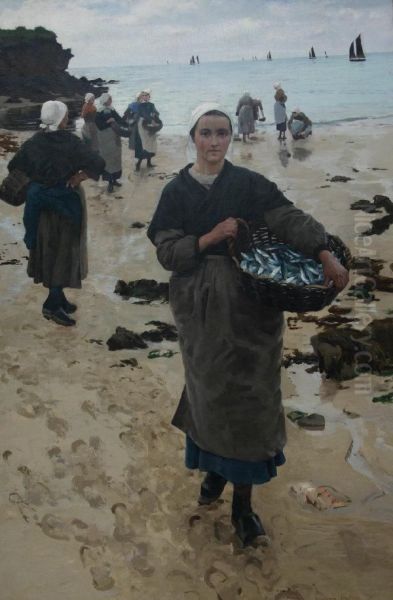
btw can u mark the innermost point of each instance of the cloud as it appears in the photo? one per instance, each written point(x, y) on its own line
point(121, 32)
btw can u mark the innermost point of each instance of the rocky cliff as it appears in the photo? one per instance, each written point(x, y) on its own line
point(32, 70)
point(33, 66)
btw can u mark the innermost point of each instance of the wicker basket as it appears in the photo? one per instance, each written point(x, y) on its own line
point(281, 295)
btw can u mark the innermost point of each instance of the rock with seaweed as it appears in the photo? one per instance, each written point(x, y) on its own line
point(345, 353)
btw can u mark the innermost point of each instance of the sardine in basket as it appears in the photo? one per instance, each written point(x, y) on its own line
point(280, 294)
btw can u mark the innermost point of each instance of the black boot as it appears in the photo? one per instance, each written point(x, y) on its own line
point(53, 310)
point(150, 164)
point(68, 307)
point(247, 524)
point(138, 165)
point(211, 488)
point(110, 187)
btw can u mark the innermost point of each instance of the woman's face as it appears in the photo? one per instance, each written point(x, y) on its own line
point(212, 138)
point(109, 101)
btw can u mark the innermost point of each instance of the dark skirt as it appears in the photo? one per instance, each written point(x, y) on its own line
point(233, 470)
point(281, 126)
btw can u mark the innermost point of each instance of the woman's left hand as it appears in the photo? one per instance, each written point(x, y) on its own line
point(333, 270)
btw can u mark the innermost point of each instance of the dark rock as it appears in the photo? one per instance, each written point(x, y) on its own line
point(33, 65)
point(137, 225)
point(153, 335)
point(124, 338)
point(344, 353)
point(13, 100)
point(169, 332)
point(365, 205)
point(112, 81)
point(296, 357)
point(340, 178)
point(146, 289)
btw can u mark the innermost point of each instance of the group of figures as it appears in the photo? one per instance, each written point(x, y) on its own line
point(298, 124)
point(103, 129)
point(250, 110)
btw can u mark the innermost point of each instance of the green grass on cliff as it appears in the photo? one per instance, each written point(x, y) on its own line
point(21, 34)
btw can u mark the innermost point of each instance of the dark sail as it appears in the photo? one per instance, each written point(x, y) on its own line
point(359, 48)
point(312, 52)
point(352, 51)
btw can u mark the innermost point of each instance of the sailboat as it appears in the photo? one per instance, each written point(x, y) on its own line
point(269, 56)
point(356, 53)
point(311, 53)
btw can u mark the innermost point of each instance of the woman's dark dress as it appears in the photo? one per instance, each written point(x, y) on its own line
point(231, 345)
point(55, 220)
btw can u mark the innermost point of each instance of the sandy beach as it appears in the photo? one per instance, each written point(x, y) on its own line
point(95, 501)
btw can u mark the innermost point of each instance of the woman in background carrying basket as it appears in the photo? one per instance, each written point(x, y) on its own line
point(230, 409)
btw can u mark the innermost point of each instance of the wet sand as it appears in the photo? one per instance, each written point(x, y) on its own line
point(95, 501)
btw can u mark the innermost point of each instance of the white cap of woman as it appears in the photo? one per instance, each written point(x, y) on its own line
point(52, 114)
point(104, 101)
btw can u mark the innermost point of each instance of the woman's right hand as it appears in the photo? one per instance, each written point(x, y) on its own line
point(224, 230)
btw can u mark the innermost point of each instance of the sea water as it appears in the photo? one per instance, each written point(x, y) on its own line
point(329, 90)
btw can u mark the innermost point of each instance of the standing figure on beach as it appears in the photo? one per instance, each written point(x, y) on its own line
point(245, 114)
point(230, 408)
point(280, 113)
point(110, 129)
point(299, 125)
point(56, 161)
point(89, 128)
point(147, 125)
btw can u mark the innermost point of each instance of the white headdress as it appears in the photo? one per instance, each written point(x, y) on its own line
point(89, 96)
point(52, 114)
point(277, 86)
point(102, 101)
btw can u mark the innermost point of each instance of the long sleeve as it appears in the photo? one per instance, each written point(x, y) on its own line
point(176, 251)
point(297, 228)
point(87, 160)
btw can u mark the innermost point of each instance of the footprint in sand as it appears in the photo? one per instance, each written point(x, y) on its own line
point(57, 424)
point(100, 569)
point(26, 511)
point(58, 462)
point(225, 584)
point(123, 531)
point(31, 405)
point(54, 527)
point(37, 493)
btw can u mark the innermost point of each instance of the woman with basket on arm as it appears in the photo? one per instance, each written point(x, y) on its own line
point(231, 344)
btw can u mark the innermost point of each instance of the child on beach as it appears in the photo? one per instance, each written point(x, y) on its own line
point(280, 114)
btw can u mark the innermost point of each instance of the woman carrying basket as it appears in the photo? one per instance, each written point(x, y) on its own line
point(230, 409)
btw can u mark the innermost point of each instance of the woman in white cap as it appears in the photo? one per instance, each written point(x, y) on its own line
point(299, 125)
point(89, 129)
point(230, 409)
point(56, 161)
point(147, 126)
point(111, 128)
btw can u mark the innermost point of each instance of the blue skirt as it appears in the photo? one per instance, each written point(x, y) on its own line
point(233, 470)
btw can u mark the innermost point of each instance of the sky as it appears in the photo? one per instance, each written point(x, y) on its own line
point(127, 32)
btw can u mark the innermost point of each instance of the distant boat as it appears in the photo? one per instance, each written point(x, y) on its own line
point(356, 53)
point(311, 53)
point(326, 56)
point(269, 56)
